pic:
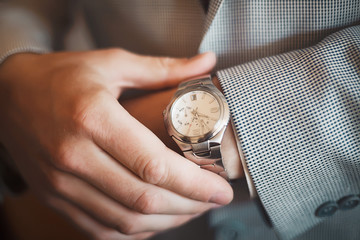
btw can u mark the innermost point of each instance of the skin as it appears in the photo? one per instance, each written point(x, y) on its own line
point(86, 156)
point(83, 154)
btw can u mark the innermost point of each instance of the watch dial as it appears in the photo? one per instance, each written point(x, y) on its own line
point(195, 113)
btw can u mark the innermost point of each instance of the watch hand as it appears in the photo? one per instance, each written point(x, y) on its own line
point(206, 116)
point(204, 124)
point(202, 115)
point(188, 130)
point(202, 128)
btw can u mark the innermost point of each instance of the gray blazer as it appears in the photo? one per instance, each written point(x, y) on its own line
point(290, 71)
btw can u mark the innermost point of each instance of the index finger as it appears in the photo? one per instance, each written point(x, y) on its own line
point(146, 156)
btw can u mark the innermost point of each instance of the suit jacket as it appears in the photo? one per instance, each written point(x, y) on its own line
point(290, 71)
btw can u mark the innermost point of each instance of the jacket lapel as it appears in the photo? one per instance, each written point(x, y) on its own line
point(214, 6)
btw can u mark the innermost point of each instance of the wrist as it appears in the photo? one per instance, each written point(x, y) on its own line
point(216, 82)
point(18, 58)
point(13, 66)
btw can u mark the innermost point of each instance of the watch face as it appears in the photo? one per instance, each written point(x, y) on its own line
point(195, 113)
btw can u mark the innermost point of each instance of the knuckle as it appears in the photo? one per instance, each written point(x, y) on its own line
point(164, 64)
point(116, 52)
point(84, 117)
point(57, 183)
point(148, 203)
point(87, 108)
point(63, 158)
point(152, 171)
point(113, 53)
point(127, 228)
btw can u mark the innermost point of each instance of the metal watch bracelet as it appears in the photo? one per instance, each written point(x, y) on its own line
point(206, 154)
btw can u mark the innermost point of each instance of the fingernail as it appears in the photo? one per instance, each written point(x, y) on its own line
point(215, 205)
point(219, 198)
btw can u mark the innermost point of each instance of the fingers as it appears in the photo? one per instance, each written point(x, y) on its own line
point(141, 178)
point(111, 213)
point(148, 158)
point(137, 71)
point(157, 72)
point(99, 169)
point(96, 230)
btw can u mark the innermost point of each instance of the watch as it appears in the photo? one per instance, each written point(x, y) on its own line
point(196, 119)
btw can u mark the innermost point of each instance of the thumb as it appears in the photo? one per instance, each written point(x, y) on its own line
point(137, 71)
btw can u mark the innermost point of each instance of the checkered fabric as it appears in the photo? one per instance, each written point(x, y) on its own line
point(243, 31)
point(296, 112)
point(297, 116)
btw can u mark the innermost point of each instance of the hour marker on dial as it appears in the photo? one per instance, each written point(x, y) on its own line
point(214, 109)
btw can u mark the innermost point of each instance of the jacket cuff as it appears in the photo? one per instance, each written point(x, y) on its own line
point(296, 118)
point(22, 31)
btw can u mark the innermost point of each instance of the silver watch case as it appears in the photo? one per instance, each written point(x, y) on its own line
point(216, 134)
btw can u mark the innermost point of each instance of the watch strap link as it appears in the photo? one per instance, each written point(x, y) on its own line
point(203, 80)
point(208, 156)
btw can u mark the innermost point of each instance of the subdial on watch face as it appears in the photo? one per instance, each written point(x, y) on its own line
point(195, 113)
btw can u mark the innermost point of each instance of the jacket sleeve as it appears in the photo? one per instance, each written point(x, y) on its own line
point(32, 26)
point(297, 117)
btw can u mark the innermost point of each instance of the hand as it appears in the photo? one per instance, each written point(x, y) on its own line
point(86, 156)
point(152, 118)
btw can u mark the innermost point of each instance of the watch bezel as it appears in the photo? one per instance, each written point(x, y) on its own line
point(221, 123)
